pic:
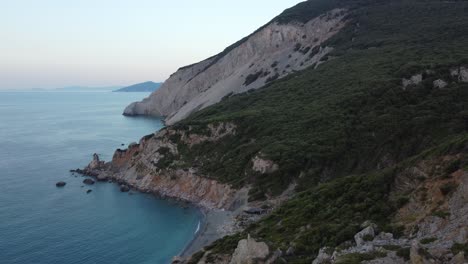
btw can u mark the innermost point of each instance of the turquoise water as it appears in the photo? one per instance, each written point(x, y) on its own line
point(45, 134)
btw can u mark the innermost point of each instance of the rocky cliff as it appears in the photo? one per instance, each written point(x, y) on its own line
point(272, 52)
point(151, 166)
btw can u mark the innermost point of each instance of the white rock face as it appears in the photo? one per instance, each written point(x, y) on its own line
point(249, 251)
point(440, 84)
point(414, 80)
point(273, 52)
point(263, 165)
point(359, 237)
point(461, 73)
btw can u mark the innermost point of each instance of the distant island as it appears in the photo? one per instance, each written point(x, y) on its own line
point(140, 87)
point(87, 89)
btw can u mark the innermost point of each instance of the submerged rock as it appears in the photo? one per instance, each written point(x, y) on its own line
point(60, 184)
point(88, 191)
point(124, 188)
point(88, 181)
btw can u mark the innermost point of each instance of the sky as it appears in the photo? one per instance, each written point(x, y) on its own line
point(59, 43)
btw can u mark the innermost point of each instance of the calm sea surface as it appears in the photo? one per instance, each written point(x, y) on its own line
point(45, 134)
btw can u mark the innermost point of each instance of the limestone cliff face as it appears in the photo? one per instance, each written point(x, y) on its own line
point(273, 52)
point(145, 166)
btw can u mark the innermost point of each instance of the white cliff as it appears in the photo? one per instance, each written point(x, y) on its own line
point(272, 52)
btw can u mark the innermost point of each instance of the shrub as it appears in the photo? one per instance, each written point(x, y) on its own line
point(404, 253)
point(448, 188)
point(428, 240)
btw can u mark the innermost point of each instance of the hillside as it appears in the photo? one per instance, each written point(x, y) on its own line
point(359, 156)
point(140, 87)
point(272, 52)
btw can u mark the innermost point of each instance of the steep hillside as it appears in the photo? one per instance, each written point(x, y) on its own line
point(140, 87)
point(274, 51)
point(359, 159)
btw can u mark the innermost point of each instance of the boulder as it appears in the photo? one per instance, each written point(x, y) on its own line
point(413, 80)
point(250, 251)
point(463, 74)
point(290, 251)
point(124, 188)
point(323, 257)
point(60, 184)
point(439, 84)
point(88, 181)
point(459, 258)
point(366, 232)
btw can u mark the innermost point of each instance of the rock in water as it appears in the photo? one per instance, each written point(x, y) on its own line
point(60, 184)
point(88, 191)
point(124, 188)
point(88, 181)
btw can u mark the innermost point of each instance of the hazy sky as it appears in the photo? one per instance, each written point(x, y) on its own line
point(56, 43)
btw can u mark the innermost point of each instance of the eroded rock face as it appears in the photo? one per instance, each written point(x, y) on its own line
point(273, 52)
point(249, 251)
point(144, 166)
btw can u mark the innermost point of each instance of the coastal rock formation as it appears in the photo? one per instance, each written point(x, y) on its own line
point(88, 181)
point(272, 52)
point(152, 166)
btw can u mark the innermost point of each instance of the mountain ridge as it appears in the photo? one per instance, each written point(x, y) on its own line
point(148, 86)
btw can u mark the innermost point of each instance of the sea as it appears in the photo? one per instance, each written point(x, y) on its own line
point(43, 135)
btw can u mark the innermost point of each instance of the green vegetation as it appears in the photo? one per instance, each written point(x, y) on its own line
point(392, 247)
point(457, 248)
point(357, 258)
point(428, 240)
point(404, 253)
point(342, 131)
point(350, 115)
point(448, 188)
point(441, 214)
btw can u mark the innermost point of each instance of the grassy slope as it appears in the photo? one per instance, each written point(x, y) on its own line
point(348, 117)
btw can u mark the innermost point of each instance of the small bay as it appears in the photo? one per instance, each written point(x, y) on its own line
point(45, 134)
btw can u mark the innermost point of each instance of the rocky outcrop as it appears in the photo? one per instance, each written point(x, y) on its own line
point(440, 84)
point(367, 233)
point(153, 165)
point(461, 73)
point(272, 52)
point(263, 165)
point(413, 80)
point(249, 251)
point(88, 181)
point(379, 248)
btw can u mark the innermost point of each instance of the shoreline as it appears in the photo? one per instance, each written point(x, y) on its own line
point(214, 223)
point(213, 226)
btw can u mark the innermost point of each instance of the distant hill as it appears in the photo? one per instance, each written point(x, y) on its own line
point(141, 87)
point(85, 88)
